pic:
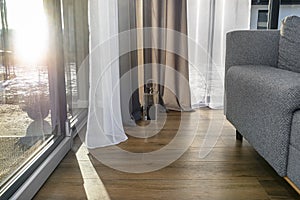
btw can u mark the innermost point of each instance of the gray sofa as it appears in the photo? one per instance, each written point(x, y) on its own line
point(262, 93)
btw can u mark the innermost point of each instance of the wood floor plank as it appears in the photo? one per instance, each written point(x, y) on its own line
point(231, 170)
point(189, 170)
point(248, 189)
point(61, 191)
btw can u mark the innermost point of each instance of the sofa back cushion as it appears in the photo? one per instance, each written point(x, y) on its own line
point(289, 44)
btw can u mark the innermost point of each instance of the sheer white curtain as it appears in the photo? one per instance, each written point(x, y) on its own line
point(104, 125)
point(208, 23)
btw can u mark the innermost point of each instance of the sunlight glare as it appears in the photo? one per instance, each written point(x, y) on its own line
point(28, 19)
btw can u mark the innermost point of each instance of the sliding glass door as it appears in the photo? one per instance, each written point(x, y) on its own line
point(32, 92)
point(44, 48)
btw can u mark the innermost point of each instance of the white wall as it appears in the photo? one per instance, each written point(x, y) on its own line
point(285, 10)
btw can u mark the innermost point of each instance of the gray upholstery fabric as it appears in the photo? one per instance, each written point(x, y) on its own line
point(294, 166)
point(252, 48)
point(295, 131)
point(260, 102)
point(293, 170)
point(289, 44)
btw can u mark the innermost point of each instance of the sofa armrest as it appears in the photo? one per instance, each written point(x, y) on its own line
point(260, 102)
point(252, 47)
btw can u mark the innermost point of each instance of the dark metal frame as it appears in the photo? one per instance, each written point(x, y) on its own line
point(273, 17)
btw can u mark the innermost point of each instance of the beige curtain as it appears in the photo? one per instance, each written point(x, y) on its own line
point(168, 15)
point(128, 61)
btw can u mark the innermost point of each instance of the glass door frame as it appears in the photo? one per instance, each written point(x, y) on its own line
point(273, 15)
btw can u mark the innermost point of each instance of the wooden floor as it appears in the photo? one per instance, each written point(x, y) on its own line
point(232, 169)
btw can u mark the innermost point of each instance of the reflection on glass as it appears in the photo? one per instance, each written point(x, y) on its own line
point(25, 117)
point(76, 47)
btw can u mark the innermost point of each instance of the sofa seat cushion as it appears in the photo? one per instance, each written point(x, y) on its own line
point(262, 100)
point(289, 44)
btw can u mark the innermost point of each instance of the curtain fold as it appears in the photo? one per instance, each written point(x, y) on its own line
point(177, 45)
point(208, 23)
point(128, 61)
point(154, 26)
point(104, 125)
point(163, 20)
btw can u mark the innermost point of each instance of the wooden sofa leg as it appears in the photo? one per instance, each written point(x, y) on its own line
point(238, 135)
point(292, 184)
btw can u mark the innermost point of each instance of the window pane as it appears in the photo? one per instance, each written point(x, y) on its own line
point(287, 8)
point(25, 116)
point(262, 21)
point(76, 47)
point(259, 12)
